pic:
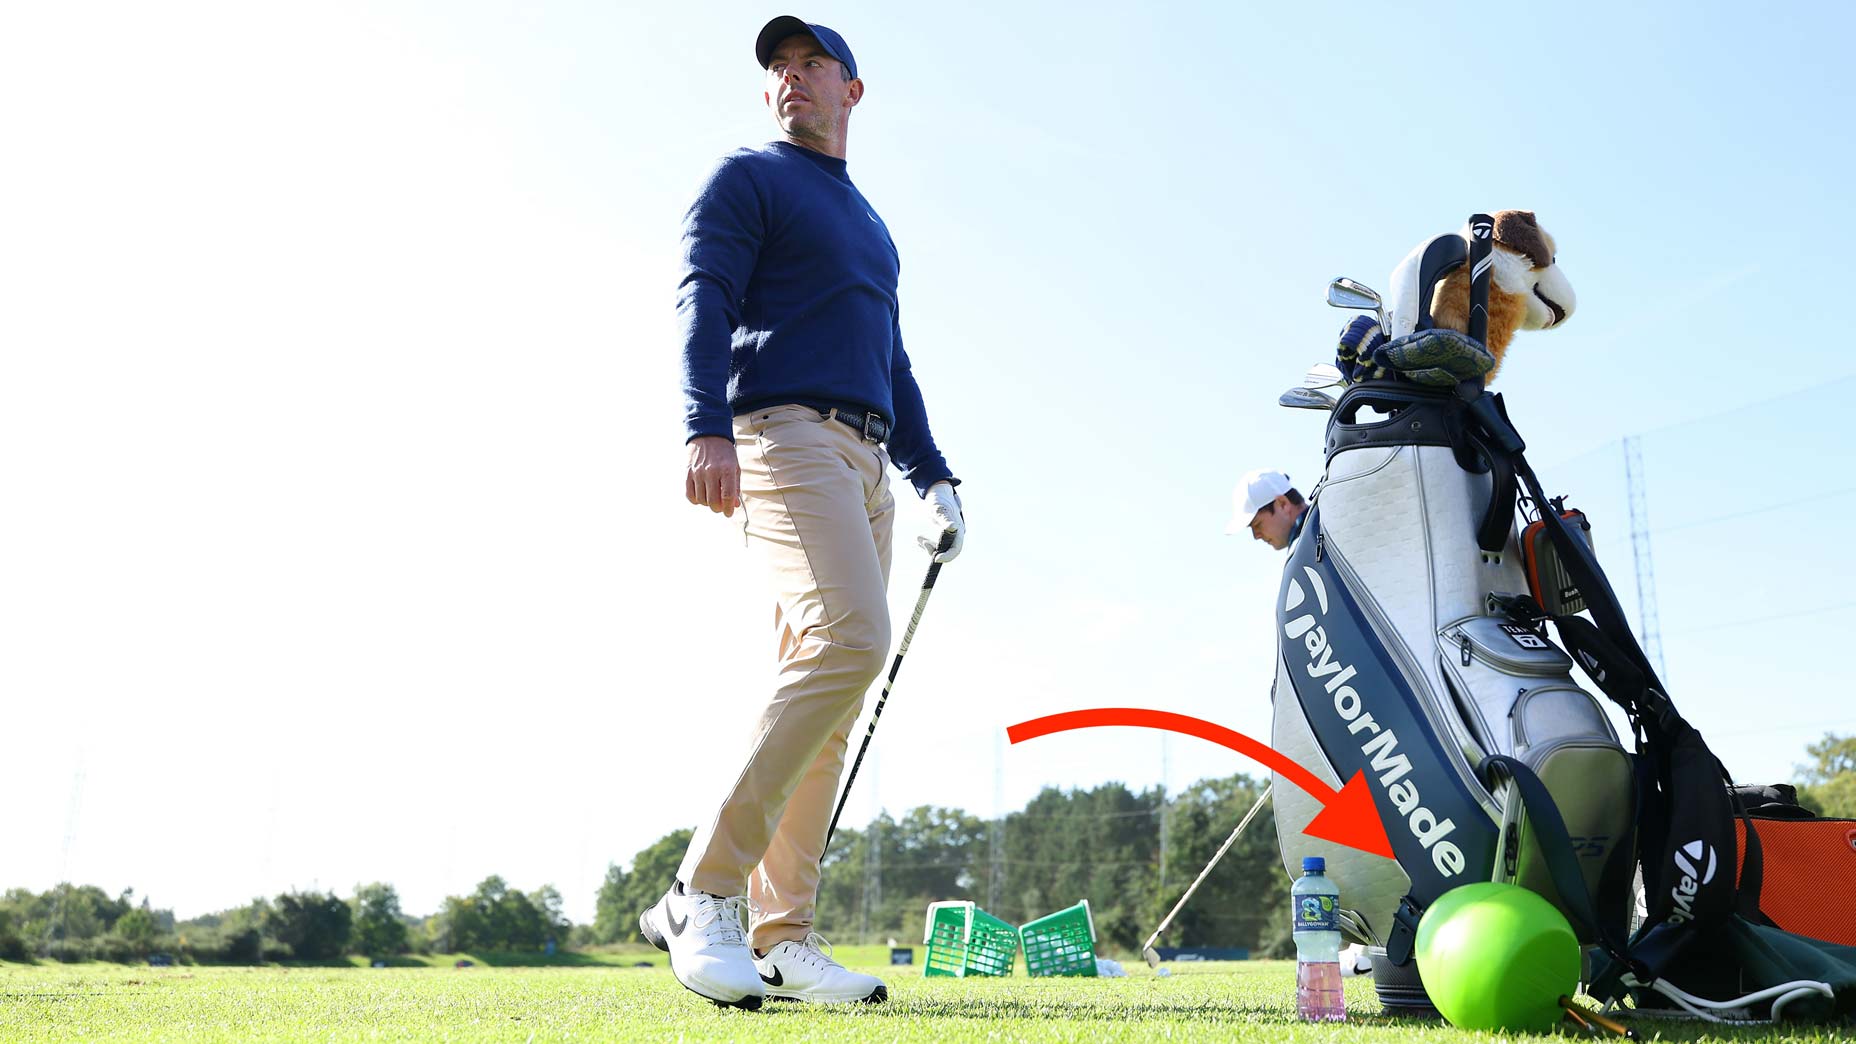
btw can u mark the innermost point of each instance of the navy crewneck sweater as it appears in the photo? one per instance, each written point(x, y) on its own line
point(788, 295)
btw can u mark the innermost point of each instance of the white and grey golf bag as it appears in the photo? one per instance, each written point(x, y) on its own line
point(1395, 660)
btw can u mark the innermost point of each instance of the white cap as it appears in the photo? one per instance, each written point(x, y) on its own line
point(1255, 491)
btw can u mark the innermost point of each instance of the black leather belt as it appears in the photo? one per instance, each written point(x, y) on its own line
point(871, 425)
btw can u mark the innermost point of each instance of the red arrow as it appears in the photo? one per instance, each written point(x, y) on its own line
point(1347, 817)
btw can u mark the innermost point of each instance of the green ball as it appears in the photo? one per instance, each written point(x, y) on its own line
point(1497, 956)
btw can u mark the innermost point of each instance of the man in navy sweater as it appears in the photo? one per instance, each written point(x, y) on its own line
point(798, 396)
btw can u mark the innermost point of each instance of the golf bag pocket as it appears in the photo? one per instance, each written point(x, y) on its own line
point(1489, 661)
point(1515, 689)
point(1560, 732)
point(1547, 578)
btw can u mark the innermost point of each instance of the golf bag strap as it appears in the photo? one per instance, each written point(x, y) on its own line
point(1752, 871)
point(1688, 812)
point(1602, 661)
point(1476, 453)
point(1498, 517)
point(1491, 415)
point(1549, 830)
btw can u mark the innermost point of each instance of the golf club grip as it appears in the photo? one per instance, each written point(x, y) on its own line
point(1481, 264)
point(934, 571)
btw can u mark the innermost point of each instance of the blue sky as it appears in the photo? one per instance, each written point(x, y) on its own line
point(342, 426)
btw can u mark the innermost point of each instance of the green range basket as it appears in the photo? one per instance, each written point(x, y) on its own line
point(963, 940)
point(1063, 943)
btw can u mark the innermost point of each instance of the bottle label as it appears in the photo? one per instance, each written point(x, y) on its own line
point(1315, 913)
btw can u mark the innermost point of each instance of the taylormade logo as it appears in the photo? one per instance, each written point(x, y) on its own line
point(1379, 744)
point(1689, 865)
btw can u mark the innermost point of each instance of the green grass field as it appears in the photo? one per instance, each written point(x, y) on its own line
point(602, 997)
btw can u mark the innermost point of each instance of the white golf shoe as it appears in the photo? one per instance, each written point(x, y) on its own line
point(708, 949)
point(805, 971)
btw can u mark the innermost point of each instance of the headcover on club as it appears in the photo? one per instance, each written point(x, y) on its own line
point(1437, 357)
point(1416, 278)
point(1353, 355)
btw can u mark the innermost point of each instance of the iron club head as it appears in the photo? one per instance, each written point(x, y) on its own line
point(1355, 295)
point(1322, 375)
point(1351, 293)
point(1306, 399)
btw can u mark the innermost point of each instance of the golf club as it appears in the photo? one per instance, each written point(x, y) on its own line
point(1356, 296)
point(1481, 266)
point(921, 602)
point(1148, 953)
point(1306, 399)
point(1322, 375)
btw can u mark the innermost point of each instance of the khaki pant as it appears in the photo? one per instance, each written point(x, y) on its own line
point(818, 516)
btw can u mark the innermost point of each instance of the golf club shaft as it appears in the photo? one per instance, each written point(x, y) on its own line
point(1203, 874)
point(1481, 265)
point(921, 602)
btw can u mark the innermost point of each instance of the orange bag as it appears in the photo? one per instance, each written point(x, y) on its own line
point(1808, 875)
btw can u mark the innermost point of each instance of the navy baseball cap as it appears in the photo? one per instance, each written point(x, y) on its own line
point(786, 25)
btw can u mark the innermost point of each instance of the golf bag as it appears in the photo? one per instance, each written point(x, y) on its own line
point(1413, 651)
point(1399, 659)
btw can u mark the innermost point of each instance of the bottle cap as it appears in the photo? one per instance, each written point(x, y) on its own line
point(1314, 865)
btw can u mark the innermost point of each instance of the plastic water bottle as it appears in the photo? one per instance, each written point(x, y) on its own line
point(1316, 927)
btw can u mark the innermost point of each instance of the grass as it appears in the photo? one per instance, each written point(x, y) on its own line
point(604, 999)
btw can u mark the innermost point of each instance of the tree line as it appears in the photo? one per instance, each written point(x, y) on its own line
point(82, 922)
point(1130, 853)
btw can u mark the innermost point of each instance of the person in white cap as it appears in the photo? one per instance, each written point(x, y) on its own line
point(1269, 506)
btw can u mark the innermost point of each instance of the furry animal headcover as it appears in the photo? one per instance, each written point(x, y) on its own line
point(1527, 290)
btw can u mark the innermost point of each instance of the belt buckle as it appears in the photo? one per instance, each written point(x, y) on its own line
point(875, 430)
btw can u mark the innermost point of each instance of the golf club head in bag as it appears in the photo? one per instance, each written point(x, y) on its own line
point(1322, 375)
point(1306, 399)
point(1356, 296)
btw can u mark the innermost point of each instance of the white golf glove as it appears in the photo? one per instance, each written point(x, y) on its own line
point(944, 518)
